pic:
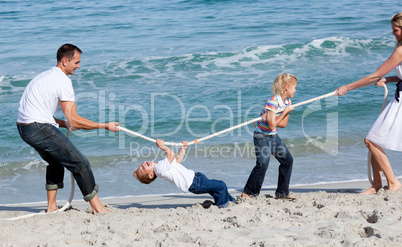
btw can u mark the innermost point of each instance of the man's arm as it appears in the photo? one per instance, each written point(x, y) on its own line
point(170, 155)
point(61, 123)
point(76, 121)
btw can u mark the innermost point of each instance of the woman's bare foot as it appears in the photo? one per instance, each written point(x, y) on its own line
point(51, 208)
point(245, 195)
point(394, 187)
point(371, 190)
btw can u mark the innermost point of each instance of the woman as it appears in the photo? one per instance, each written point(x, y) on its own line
point(387, 130)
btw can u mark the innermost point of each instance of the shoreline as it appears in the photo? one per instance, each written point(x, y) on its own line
point(234, 192)
point(326, 214)
point(354, 186)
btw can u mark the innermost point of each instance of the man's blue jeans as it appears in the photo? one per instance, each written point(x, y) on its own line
point(59, 152)
point(265, 145)
point(216, 188)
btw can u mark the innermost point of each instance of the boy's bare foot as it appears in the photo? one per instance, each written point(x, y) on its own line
point(371, 190)
point(244, 195)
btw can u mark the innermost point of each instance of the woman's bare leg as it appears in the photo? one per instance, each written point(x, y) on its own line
point(380, 163)
point(377, 177)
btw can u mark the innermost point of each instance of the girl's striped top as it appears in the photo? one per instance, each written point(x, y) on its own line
point(275, 104)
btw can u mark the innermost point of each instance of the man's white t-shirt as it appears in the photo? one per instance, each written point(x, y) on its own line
point(175, 173)
point(42, 97)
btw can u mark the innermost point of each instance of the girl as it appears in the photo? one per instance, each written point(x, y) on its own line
point(267, 141)
point(386, 131)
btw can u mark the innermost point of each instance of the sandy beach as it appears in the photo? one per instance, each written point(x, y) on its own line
point(323, 215)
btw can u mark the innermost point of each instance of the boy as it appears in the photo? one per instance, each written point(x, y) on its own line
point(186, 180)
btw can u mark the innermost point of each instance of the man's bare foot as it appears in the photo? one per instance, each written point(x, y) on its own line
point(97, 206)
point(245, 195)
point(371, 190)
point(51, 201)
point(101, 210)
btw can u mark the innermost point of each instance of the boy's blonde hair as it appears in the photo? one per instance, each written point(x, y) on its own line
point(283, 79)
point(144, 178)
point(397, 21)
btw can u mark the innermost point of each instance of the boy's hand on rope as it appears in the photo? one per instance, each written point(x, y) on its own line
point(160, 143)
point(185, 145)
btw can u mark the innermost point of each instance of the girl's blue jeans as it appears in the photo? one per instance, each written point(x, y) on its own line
point(216, 188)
point(59, 152)
point(265, 145)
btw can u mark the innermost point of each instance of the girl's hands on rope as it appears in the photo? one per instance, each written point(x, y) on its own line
point(288, 109)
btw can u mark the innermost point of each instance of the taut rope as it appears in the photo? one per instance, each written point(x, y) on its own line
point(222, 131)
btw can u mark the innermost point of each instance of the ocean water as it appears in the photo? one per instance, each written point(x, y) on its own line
point(181, 70)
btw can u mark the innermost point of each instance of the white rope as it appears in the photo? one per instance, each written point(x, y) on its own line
point(222, 131)
point(369, 165)
point(66, 206)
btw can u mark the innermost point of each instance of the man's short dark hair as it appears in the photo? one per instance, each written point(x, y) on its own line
point(67, 50)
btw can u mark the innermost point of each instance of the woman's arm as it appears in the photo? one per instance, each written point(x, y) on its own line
point(384, 69)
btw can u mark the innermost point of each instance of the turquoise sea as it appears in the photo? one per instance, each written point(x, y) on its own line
point(181, 70)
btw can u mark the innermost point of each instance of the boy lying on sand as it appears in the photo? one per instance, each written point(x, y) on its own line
point(171, 169)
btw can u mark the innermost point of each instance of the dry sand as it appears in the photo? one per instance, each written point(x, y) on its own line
point(323, 215)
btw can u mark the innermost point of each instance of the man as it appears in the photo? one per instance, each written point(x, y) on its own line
point(43, 96)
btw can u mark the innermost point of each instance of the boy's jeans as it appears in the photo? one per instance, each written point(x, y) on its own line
point(59, 152)
point(216, 188)
point(265, 145)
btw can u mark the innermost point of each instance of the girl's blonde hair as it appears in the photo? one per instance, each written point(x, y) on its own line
point(279, 85)
point(397, 21)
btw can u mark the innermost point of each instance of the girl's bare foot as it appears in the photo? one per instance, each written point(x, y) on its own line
point(245, 195)
point(290, 197)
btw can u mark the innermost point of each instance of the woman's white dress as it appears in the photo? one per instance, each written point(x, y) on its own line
point(387, 129)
